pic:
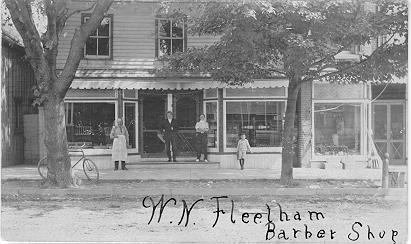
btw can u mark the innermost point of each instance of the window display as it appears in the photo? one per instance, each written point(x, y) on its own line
point(90, 123)
point(337, 129)
point(261, 121)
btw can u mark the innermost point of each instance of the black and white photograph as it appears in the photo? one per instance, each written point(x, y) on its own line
point(204, 121)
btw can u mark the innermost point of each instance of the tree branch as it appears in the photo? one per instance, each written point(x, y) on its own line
point(62, 18)
point(268, 69)
point(81, 10)
point(21, 15)
point(278, 71)
point(77, 44)
point(349, 67)
point(50, 40)
point(330, 56)
point(61, 21)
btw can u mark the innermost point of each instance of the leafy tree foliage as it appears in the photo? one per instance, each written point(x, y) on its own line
point(303, 41)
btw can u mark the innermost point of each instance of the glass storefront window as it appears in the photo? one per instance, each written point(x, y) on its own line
point(211, 117)
point(90, 123)
point(337, 129)
point(186, 113)
point(261, 121)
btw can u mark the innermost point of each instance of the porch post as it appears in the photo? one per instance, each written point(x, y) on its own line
point(140, 123)
point(220, 120)
point(120, 104)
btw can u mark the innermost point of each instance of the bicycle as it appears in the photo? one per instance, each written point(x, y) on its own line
point(89, 167)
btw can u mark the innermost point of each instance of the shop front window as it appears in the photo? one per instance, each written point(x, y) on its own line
point(261, 121)
point(90, 124)
point(337, 129)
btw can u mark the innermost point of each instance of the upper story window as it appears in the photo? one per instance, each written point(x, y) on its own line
point(170, 36)
point(99, 44)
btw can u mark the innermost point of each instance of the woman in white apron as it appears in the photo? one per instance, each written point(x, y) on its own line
point(119, 151)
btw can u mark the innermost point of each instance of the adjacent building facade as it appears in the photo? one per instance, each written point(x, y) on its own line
point(117, 79)
point(17, 82)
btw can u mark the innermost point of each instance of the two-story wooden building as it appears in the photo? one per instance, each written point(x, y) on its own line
point(117, 78)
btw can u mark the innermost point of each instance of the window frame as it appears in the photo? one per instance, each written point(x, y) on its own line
point(363, 126)
point(157, 37)
point(115, 102)
point(116, 113)
point(110, 32)
point(254, 149)
point(214, 149)
point(137, 117)
point(205, 97)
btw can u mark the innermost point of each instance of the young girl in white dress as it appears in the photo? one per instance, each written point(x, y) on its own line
point(242, 148)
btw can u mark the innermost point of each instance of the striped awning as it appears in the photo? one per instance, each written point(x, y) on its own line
point(169, 84)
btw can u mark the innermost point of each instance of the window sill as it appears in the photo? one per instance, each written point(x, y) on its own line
point(213, 149)
point(102, 152)
point(97, 58)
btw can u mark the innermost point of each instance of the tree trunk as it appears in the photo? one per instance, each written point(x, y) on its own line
point(288, 135)
point(59, 162)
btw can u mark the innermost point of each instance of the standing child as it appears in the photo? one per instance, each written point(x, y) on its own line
point(242, 148)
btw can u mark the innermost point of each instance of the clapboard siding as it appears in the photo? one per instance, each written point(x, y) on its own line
point(133, 38)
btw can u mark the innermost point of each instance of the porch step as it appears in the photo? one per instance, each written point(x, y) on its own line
point(180, 164)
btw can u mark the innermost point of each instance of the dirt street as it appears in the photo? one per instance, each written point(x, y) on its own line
point(344, 219)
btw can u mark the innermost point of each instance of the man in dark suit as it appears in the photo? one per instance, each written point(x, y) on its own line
point(169, 127)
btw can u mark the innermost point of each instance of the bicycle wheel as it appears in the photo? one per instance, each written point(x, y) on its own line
point(42, 168)
point(90, 170)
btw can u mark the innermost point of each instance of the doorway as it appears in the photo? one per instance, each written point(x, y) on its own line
point(153, 108)
point(389, 130)
point(187, 111)
point(186, 106)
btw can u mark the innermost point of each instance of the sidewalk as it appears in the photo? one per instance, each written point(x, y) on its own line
point(23, 180)
point(29, 172)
